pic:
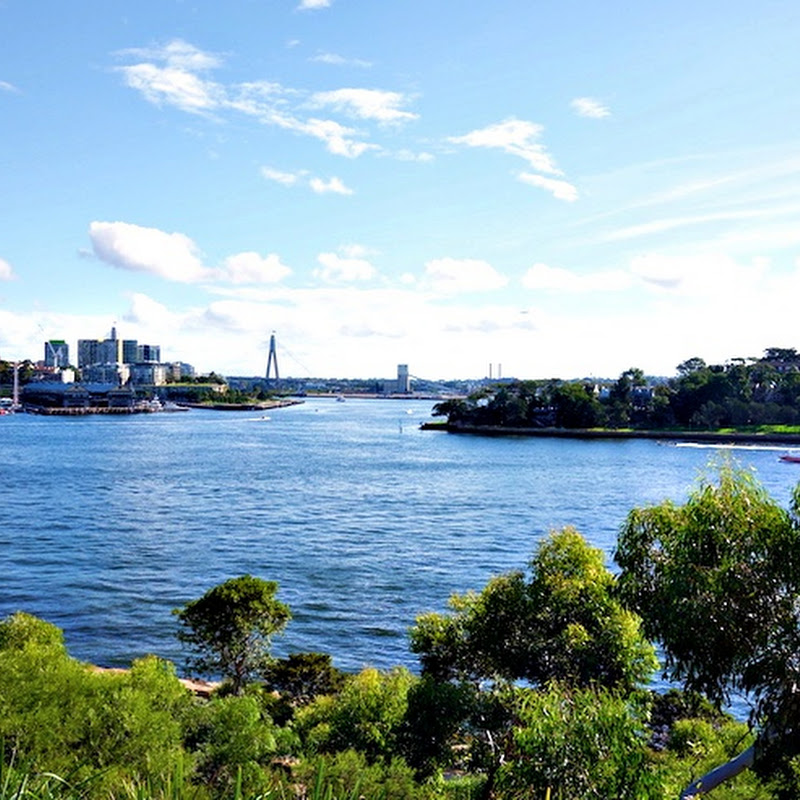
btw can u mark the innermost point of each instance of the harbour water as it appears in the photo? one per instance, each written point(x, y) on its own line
point(365, 521)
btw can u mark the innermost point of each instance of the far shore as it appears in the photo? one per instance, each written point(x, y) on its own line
point(700, 437)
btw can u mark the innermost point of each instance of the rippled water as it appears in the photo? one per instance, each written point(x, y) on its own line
point(108, 523)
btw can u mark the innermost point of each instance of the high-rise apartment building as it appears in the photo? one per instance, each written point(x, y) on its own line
point(130, 351)
point(100, 351)
point(148, 354)
point(56, 353)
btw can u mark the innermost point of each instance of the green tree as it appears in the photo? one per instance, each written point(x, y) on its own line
point(303, 676)
point(231, 626)
point(577, 744)
point(717, 582)
point(106, 728)
point(229, 736)
point(366, 714)
point(576, 406)
point(563, 623)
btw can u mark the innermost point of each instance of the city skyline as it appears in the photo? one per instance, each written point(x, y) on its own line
point(566, 190)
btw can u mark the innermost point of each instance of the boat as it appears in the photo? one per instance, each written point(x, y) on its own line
point(791, 458)
point(340, 398)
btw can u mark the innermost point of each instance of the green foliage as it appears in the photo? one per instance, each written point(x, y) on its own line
point(434, 717)
point(348, 775)
point(21, 630)
point(563, 623)
point(366, 714)
point(715, 581)
point(697, 745)
point(578, 743)
point(233, 741)
point(737, 394)
point(57, 716)
point(230, 628)
point(303, 676)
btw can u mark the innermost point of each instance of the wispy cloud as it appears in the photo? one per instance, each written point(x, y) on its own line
point(278, 176)
point(560, 189)
point(5, 86)
point(672, 223)
point(311, 5)
point(521, 138)
point(333, 185)
point(176, 75)
point(375, 104)
point(515, 136)
point(589, 107)
point(340, 61)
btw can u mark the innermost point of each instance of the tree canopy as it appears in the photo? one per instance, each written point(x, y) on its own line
point(717, 582)
point(741, 392)
point(230, 628)
point(563, 622)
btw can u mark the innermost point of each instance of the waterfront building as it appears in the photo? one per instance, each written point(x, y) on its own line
point(113, 373)
point(401, 385)
point(403, 379)
point(147, 374)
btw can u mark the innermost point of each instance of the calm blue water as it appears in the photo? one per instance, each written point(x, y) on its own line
point(108, 523)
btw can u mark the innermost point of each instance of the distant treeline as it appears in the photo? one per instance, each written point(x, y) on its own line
point(738, 394)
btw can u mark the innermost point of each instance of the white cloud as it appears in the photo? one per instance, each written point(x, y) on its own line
point(456, 275)
point(253, 268)
point(5, 86)
point(284, 178)
point(172, 256)
point(515, 136)
point(356, 250)
point(544, 277)
point(306, 5)
point(6, 272)
point(700, 275)
point(174, 75)
point(383, 106)
point(589, 107)
point(173, 87)
point(340, 61)
point(172, 79)
point(560, 189)
point(345, 268)
point(337, 138)
point(410, 155)
point(332, 186)
point(148, 313)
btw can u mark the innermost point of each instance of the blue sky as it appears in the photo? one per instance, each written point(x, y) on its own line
point(558, 189)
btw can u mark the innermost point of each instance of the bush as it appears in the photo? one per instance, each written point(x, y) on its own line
point(366, 715)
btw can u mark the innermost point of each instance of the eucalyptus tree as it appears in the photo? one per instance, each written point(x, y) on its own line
point(717, 583)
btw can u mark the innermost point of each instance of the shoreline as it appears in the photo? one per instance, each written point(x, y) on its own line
point(699, 437)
